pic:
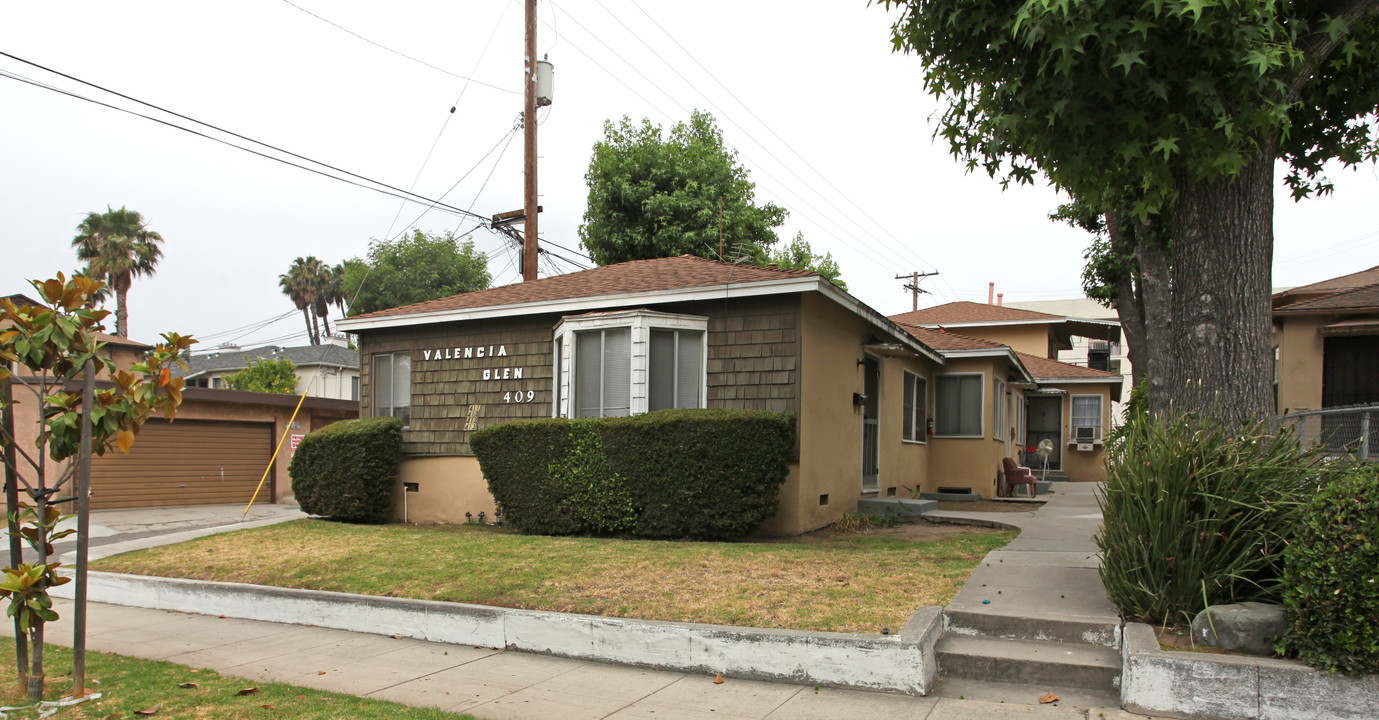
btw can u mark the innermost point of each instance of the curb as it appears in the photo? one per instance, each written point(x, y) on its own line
point(1235, 687)
point(899, 663)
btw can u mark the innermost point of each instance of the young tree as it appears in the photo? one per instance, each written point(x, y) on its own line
point(44, 351)
point(117, 247)
point(1183, 104)
point(268, 376)
point(652, 196)
point(799, 256)
point(414, 268)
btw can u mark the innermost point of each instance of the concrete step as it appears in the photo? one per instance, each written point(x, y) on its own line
point(1032, 625)
point(1101, 703)
point(903, 507)
point(1028, 662)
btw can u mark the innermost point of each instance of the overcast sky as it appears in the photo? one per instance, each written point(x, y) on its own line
point(831, 124)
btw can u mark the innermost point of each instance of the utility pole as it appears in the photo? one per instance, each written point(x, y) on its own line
point(529, 246)
point(914, 287)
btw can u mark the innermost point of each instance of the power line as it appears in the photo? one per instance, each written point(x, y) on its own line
point(861, 247)
point(401, 54)
point(446, 122)
point(395, 191)
point(256, 325)
point(767, 126)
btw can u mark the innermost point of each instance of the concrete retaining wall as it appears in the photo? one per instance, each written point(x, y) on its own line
point(1234, 687)
point(903, 663)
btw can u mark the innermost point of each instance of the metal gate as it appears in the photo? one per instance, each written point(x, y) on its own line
point(871, 426)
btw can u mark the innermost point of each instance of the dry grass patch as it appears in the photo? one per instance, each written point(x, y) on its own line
point(847, 583)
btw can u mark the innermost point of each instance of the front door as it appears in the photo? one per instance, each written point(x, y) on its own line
point(1044, 420)
point(871, 425)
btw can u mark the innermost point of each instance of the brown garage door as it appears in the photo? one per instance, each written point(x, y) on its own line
point(187, 462)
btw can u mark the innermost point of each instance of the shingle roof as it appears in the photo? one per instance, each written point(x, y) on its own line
point(660, 274)
point(944, 340)
point(1045, 369)
point(1365, 298)
point(1338, 284)
point(970, 312)
point(301, 355)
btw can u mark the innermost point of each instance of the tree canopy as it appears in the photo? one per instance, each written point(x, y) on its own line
point(314, 286)
point(413, 268)
point(117, 247)
point(652, 195)
point(276, 375)
point(799, 256)
point(1175, 109)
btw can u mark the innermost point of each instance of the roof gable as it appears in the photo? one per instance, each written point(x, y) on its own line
point(1360, 299)
point(963, 312)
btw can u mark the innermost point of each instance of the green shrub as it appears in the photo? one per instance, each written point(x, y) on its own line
point(1196, 515)
point(1331, 578)
point(346, 471)
point(709, 474)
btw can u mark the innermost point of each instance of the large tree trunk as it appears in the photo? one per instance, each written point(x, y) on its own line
point(1156, 297)
point(121, 312)
point(310, 329)
point(1223, 244)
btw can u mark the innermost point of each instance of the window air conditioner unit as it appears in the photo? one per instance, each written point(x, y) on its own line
point(1084, 433)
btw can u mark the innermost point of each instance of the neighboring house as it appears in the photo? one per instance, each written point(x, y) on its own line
point(1108, 355)
point(1326, 343)
point(218, 450)
point(1070, 405)
point(882, 409)
point(330, 370)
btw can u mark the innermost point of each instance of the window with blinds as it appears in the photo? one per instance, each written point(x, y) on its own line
point(674, 374)
point(958, 405)
point(603, 373)
point(913, 406)
point(392, 386)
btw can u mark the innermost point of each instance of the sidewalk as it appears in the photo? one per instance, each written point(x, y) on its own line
point(495, 684)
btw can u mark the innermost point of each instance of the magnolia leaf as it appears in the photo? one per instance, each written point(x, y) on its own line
point(188, 685)
point(147, 711)
point(247, 691)
point(125, 440)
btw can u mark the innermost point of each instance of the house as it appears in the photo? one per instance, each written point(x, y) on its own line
point(220, 449)
point(329, 370)
point(883, 409)
point(1110, 355)
point(1070, 405)
point(1326, 343)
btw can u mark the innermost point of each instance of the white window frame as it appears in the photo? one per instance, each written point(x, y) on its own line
point(998, 410)
point(919, 410)
point(641, 323)
point(981, 404)
point(373, 384)
point(1073, 425)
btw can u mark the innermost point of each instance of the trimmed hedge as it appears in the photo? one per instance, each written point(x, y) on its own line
point(702, 474)
point(1331, 578)
point(345, 471)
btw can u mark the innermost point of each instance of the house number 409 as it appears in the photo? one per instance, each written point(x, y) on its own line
point(519, 396)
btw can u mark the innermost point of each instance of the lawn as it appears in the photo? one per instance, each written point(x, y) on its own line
point(128, 685)
point(857, 582)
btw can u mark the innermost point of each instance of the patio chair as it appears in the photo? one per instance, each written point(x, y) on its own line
point(1016, 475)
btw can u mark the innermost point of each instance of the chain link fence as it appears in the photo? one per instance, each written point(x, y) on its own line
point(1342, 431)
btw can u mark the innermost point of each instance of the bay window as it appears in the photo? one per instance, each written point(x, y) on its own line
point(627, 363)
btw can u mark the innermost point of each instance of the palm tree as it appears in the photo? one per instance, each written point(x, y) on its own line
point(330, 290)
point(117, 247)
point(298, 283)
